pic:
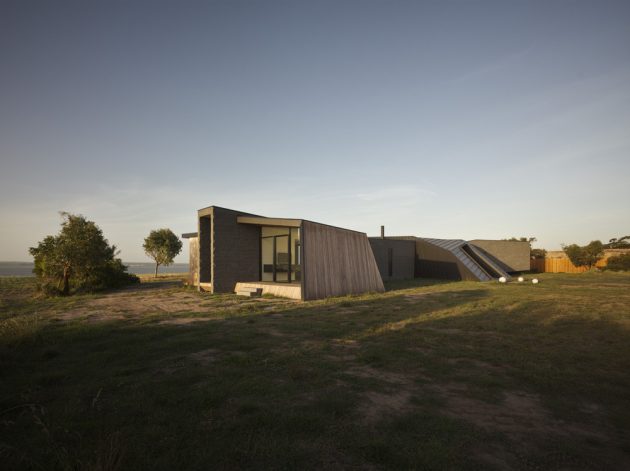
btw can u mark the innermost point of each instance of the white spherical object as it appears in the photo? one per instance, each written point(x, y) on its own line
point(521, 279)
point(502, 279)
point(535, 281)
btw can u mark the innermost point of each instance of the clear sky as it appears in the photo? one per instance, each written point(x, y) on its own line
point(440, 119)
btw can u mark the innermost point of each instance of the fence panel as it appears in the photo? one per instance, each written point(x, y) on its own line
point(560, 265)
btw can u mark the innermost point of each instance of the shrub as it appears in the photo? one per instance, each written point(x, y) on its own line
point(79, 258)
point(586, 256)
point(619, 262)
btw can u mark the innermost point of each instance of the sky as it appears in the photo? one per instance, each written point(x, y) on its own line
point(465, 120)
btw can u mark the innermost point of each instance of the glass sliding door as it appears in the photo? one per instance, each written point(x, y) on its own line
point(296, 263)
point(283, 266)
point(280, 259)
point(267, 259)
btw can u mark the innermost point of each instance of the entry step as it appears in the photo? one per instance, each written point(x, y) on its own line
point(250, 292)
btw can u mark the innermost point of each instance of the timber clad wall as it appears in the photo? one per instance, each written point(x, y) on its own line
point(403, 257)
point(193, 261)
point(557, 262)
point(235, 250)
point(337, 262)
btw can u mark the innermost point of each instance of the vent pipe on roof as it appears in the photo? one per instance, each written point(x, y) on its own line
point(382, 232)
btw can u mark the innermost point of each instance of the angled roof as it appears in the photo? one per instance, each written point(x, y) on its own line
point(489, 260)
point(247, 218)
point(456, 247)
point(263, 221)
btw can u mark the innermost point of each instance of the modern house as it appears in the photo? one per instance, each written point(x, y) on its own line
point(234, 251)
point(453, 259)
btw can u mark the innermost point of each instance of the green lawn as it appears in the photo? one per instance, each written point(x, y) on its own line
point(430, 375)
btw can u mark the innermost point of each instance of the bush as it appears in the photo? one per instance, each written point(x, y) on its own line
point(619, 262)
point(79, 258)
point(586, 256)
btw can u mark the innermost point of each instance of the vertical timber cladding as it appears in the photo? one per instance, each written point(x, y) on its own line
point(337, 262)
point(235, 250)
point(193, 261)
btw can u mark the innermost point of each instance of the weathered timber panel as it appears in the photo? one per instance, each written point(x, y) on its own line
point(557, 262)
point(337, 262)
point(193, 261)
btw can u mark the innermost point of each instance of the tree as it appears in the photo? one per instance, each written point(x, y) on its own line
point(162, 245)
point(78, 257)
point(538, 253)
point(534, 253)
point(620, 243)
point(619, 262)
point(586, 256)
point(531, 240)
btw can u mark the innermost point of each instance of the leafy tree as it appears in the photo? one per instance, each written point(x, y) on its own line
point(619, 262)
point(538, 253)
point(162, 245)
point(531, 240)
point(79, 257)
point(586, 256)
point(620, 243)
point(534, 253)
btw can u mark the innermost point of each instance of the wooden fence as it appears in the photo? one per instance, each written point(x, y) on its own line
point(559, 263)
point(555, 265)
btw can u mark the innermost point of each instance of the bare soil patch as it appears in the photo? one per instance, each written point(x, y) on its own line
point(520, 416)
point(188, 320)
point(115, 305)
point(157, 298)
point(373, 373)
point(377, 405)
point(205, 356)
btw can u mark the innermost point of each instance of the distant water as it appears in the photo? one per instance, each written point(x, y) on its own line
point(26, 268)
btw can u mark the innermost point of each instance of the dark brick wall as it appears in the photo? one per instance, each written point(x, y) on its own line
point(205, 249)
point(235, 250)
point(403, 260)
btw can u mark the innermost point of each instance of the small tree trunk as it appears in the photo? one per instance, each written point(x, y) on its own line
point(156, 267)
point(66, 281)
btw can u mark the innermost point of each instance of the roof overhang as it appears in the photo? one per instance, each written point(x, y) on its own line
point(189, 235)
point(262, 221)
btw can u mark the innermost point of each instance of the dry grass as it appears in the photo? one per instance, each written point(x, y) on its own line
point(428, 375)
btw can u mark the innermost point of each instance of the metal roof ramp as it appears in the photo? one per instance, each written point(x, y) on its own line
point(478, 262)
point(457, 248)
point(486, 261)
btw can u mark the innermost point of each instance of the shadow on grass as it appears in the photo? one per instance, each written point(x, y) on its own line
point(414, 283)
point(275, 390)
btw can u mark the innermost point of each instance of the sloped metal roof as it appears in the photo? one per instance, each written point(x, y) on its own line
point(488, 260)
point(455, 246)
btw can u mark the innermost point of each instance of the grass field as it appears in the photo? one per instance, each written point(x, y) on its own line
point(430, 375)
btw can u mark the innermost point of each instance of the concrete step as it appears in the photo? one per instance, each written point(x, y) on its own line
point(250, 292)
